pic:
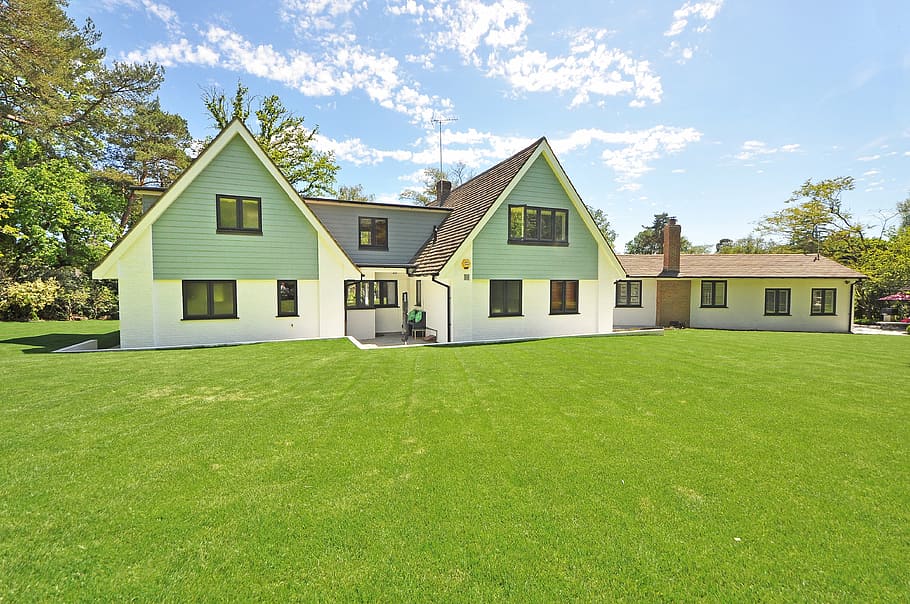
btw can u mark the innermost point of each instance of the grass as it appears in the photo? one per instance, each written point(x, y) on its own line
point(697, 465)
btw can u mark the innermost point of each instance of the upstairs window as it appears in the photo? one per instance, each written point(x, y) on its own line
point(287, 298)
point(239, 214)
point(713, 294)
point(824, 301)
point(374, 233)
point(563, 297)
point(777, 301)
point(628, 293)
point(538, 226)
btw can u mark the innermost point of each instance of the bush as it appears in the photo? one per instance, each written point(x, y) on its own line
point(908, 330)
point(80, 297)
point(22, 301)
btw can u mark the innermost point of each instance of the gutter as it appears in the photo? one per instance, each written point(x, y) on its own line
point(448, 307)
point(852, 307)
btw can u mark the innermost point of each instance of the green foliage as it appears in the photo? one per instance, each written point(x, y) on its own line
point(610, 469)
point(887, 264)
point(55, 87)
point(79, 296)
point(354, 193)
point(751, 244)
point(651, 239)
point(603, 224)
point(283, 136)
point(23, 300)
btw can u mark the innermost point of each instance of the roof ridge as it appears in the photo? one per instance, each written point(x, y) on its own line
point(495, 166)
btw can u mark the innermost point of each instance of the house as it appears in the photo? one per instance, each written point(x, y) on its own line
point(779, 292)
point(230, 253)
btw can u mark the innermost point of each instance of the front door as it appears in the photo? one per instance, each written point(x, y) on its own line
point(673, 299)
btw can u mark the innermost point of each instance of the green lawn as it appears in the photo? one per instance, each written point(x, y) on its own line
point(696, 465)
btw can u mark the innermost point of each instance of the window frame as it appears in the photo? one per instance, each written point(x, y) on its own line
point(539, 239)
point(626, 301)
point(713, 284)
point(777, 292)
point(238, 209)
point(562, 309)
point(295, 312)
point(822, 313)
point(505, 282)
point(210, 299)
point(373, 289)
point(374, 220)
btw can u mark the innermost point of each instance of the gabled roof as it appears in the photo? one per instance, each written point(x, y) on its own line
point(107, 268)
point(743, 266)
point(469, 203)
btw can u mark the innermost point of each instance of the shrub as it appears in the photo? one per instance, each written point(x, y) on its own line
point(80, 297)
point(22, 301)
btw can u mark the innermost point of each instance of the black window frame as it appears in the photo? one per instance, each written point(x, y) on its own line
point(536, 211)
point(293, 286)
point(238, 208)
point(822, 313)
point(503, 283)
point(562, 310)
point(372, 291)
point(210, 299)
point(713, 285)
point(374, 220)
point(776, 311)
point(626, 300)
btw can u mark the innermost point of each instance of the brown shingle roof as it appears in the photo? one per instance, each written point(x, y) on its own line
point(469, 203)
point(740, 266)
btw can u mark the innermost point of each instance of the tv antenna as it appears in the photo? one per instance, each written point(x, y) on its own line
point(439, 121)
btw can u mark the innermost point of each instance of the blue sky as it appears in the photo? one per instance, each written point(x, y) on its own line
point(714, 110)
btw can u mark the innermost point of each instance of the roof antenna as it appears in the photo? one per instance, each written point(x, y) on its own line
point(439, 121)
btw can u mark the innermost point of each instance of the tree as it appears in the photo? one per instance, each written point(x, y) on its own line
point(903, 210)
point(54, 85)
point(818, 222)
point(603, 224)
point(283, 136)
point(751, 244)
point(650, 240)
point(458, 174)
point(149, 148)
point(354, 193)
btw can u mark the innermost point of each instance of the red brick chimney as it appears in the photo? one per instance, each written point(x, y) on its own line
point(672, 235)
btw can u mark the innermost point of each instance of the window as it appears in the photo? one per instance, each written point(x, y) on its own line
point(374, 233)
point(239, 214)
point(777, 301)
point(366, 294)
point(713, 294)
point(538, 226)
point(287, 299)
point(563, 297)
point(628, 293)
point(209, 299)
point(823, 301)
point(505, 298)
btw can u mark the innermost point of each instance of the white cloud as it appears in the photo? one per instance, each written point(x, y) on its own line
point(706, 11)
point(752, 149)
point(306, 15)
point(678, 171)
point(871, 172)
point(159, 10)
point(180, 52)
point(591, 68)
point(868, 158)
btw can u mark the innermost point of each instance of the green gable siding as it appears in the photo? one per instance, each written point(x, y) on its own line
point(186, 246)
point(495, 258)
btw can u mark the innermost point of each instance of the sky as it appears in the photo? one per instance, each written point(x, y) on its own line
point(714, 111)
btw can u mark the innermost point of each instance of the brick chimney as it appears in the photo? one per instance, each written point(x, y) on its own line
point(672, 235)
point(443, 188)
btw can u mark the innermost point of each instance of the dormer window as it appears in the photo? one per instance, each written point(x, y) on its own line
point(374, 233)
point(530, 225)
point(237, 214)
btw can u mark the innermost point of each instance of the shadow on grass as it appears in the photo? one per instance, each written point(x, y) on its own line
point(50, 342)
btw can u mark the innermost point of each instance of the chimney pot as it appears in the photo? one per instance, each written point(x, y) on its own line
point(672, 245)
